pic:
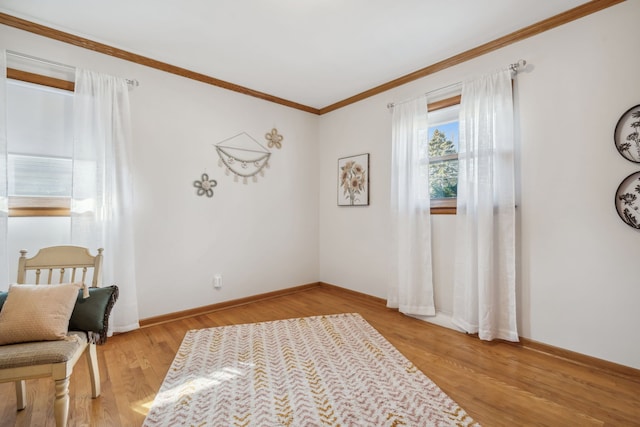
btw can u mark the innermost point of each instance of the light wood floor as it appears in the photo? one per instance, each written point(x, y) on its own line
point(497, 383)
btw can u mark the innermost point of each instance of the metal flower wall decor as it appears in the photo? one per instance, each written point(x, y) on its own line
point(205, 185)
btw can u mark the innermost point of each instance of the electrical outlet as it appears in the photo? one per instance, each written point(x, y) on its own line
point(217, 281)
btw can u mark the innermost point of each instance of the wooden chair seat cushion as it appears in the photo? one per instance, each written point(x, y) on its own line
point(41, 353)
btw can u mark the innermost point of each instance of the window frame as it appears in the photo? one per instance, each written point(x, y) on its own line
point(441, 206)
point(20, 206)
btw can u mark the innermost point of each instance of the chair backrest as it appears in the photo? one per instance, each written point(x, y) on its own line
point(75, 260)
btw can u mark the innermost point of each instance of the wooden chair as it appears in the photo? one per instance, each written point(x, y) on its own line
point(56, 359)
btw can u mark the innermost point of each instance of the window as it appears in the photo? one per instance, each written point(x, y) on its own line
point(443, 154)
point(39, 146)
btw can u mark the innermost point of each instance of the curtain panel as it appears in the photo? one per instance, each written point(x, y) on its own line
point(485, 276)
point(411, 276)
point(4, 200)
point(102, 194)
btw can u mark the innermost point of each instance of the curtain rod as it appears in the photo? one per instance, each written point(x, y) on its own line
point(130, 82)
point(513, 67)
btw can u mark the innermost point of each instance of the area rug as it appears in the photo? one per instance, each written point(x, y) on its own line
point(332, 370)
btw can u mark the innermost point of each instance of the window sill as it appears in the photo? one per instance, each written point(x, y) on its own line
point(39, 206)
point(443, 211)
point(443, 206)
point(24, 212)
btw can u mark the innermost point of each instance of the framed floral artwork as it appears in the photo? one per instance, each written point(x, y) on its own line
point(353, 180)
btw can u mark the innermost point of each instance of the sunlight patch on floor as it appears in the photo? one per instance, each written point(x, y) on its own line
point(188, 389)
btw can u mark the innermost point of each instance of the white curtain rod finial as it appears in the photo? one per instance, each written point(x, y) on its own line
point(518, 65)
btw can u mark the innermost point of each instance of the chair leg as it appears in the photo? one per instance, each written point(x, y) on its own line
point(61, 404)
point(21, 395)
point(94, 372)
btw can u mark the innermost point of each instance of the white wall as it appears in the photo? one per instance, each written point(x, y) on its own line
point(261, 236)
point(579, 285)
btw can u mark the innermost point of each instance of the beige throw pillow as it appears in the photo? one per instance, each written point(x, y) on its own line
point(37, 313)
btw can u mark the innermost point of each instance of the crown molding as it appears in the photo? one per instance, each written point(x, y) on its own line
point(82, 42)
point(522, 34)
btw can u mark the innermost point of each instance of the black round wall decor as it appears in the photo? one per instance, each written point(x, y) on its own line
point(628, 200)
point(627, 134)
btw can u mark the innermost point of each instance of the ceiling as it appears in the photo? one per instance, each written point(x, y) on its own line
point(312, 52)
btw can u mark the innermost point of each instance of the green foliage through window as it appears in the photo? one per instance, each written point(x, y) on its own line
point(443, 163)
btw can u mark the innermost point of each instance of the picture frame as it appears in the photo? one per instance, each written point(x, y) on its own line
point(628, 200)
point(353, 180)
point(627, 134)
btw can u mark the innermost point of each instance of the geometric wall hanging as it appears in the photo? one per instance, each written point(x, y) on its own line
point(243, 156)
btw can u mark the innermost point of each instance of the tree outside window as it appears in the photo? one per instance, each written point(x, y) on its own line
point(443, 168)
point(443, 157)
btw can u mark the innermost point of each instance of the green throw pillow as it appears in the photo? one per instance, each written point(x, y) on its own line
point(3, 298)
point(92, 314)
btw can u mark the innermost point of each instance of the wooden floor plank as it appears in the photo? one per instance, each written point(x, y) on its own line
point(497, 383)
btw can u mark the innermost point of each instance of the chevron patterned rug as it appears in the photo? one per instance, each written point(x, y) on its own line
point(332, 370)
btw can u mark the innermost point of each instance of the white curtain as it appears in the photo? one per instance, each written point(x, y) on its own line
point(411, 278)
point(102, 199)
point(484, 288)
point(4, 201)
